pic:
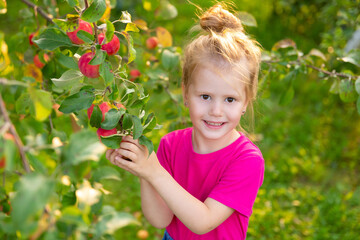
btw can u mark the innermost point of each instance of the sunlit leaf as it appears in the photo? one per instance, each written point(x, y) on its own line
point(106, 73)
point(110, 221)
point(84, 146)
point(247, 19)
point(95, 11)
point(125, 17)
point(106, 172)
point(169, 59)
point(145, 141)
point(141, 24)
point(167, 11)
point(164, 37)
point(131, 27)
point(85, 36)
point(284, 44)
point(131, 49)
point(3, 8)
point(68, 79)
point(42, 103)
point(109, 31)
point(87, 194)
point(357, 85)
point(317, 53)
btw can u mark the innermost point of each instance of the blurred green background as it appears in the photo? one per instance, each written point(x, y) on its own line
point(311, 146)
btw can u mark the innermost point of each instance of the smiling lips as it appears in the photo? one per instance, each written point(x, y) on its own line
point(214, 124)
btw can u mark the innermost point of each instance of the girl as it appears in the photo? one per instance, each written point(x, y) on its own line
point(204, 180)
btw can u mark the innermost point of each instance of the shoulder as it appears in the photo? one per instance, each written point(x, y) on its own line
point(177, 135)
point(247, 153)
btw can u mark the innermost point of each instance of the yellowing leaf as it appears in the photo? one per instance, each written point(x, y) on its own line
point(41, 113)
point(32, 71)
point(42, 103)
point(141, 24)
point(106, 15)
point(164, 37)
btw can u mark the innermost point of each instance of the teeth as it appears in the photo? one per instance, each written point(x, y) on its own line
point(214, 124)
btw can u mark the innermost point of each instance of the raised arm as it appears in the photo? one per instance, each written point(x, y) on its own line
point(199, 217)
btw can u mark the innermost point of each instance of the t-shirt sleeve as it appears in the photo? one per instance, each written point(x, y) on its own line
point(240, 183)
point(163, 154)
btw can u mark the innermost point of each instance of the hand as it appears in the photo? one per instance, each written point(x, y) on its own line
point(132, 157)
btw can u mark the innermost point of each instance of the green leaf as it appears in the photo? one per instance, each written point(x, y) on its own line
point(347, 91)
point(95, 11)
point(96, 117)
point(357, 85)
point(106, 172)
point(53, 38)
point(85, 36)
point(112, 141)
point(150, 5)
point(36, 163)
point(169, 59)
point(73, 3)
point(287, 96)
point(99, 57)
point(78, 101)
point(138, 128)
point(34, 191)
point(167, 11)
point(127, 122)
point(334, 89)
point(145, 141)
point(66, 61)
point(42, 103)
point(109, 31)
point(23, 103)
point(358, 104)
point(10, 151)
point(106, 73)
point(112, 118)
point(69, 25)
point(131, 49)
point(83, 146)
point(352, 57)
point(150, 123)
point(68, 199)
point(110, 221)
point(68, 79)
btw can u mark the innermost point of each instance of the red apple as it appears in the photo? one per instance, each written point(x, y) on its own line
point(31, 36)
point(134, 73)
point(152, 42)
point(111, 47)
point(82, 26)
point(2, 162)
point(103, 132)
point(38, 62)
point(90, 71)
point(104, 107)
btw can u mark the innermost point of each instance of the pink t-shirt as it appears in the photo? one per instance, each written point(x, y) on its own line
point(232, 176)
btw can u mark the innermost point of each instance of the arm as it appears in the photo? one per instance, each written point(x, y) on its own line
point(199, 217)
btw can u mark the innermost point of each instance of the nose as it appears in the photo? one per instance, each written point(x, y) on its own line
point(216, 109)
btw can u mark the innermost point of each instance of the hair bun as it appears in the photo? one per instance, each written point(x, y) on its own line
point(217, 19)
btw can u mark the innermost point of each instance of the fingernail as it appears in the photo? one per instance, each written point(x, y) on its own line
point(117, 158)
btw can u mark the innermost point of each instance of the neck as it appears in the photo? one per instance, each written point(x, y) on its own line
point(202, 146)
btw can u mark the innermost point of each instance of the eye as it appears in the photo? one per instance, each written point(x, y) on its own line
point(205, 97)
point(230, 99)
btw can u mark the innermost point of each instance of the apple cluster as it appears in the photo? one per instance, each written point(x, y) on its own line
point(111, 48)
point(104, 107)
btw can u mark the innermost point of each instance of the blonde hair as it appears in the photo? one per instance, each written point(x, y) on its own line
point(222, 39)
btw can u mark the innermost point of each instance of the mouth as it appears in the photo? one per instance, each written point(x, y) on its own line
point(214, 124)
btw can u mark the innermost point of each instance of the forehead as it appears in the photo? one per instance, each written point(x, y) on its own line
point(220, 76)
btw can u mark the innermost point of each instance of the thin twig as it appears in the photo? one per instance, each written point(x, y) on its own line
point(39, 10)
point(17, 139)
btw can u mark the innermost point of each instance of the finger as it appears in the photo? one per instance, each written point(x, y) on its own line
point(127, 154)
point(113, 155)
point(125, 164)
point(128, 146)
point(108, 153)
point(131, 139)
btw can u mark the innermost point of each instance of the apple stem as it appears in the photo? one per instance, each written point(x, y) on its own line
point(17, 139)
